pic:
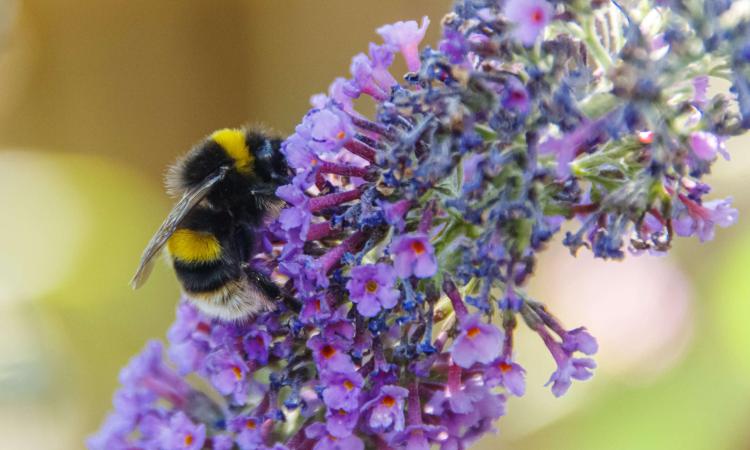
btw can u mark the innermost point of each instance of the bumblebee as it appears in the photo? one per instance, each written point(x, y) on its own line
point(226, 187)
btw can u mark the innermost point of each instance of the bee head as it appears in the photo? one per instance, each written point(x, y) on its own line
point(271, 164)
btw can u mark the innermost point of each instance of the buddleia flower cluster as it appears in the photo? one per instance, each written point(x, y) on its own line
point(410, 235)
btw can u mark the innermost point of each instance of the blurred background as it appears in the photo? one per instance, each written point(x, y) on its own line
point(97, 97)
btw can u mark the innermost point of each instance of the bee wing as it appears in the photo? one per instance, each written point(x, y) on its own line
point(187, 202)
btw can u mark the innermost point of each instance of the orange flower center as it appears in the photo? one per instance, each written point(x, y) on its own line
point(537, 16)
point(371, 286)
point(340, 135)
point(203, 327)
point(328, 352)
point(418, 247)
point(505, 367)
point(316, 304)
point(189, 439)
point(473, 332)
point(237, 372)
point(348, 385)
point(389, 401)
point(250, 424)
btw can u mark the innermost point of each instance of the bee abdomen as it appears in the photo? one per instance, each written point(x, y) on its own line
point(200, 261)
point(201, 278)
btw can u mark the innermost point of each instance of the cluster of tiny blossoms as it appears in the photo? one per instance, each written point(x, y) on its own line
point(409, 236)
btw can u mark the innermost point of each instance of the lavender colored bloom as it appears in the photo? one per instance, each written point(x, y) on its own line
point(314, 310)
point(706, 145)
point(146, 378)
point(579, 340)
point(371, 287)
point(113, 434)
point(405, 37)
point(325, 441)
point(454, 45)
point(503, 372)
point(567, 369)
point(247, 431)
point(256, 344)
point(413, 255)
point(228, 373)
point(478, 342)
point(182, 433)
point(307, 274)
point(567, 147)
point(386, 411)
point(394, 213)
point(418, 437)
point(330, 355)
point(516, 97)
point(327, 130)
point(700, 89)
point(189, 338)
point(342, 390)
point(222, 442)
point(529, 18)
point(340, 423)
point(370, 74)
point(701, 220)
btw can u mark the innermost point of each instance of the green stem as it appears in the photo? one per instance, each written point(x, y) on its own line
point(599, 53)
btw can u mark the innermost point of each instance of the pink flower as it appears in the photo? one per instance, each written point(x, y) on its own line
point(705, 145)
point(529, 17)
point(405, 36)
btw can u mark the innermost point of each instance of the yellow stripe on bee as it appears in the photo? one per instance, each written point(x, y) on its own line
point(194, 246)
point(233, 142)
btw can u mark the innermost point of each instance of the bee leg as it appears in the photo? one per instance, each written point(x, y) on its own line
point(270, 289)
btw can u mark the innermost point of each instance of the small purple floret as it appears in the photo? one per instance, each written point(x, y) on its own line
point(414, 255)
point(371, 287)
point(478, 342)
point(529, 18)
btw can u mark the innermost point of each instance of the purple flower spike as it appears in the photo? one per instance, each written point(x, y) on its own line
point(401, 237)
point(181, 433)
point(529, 17)
point(372, 288)
point(705, 145)
point(387, 409)
point(414, 255)
point(478, 342)
point(406, 36)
